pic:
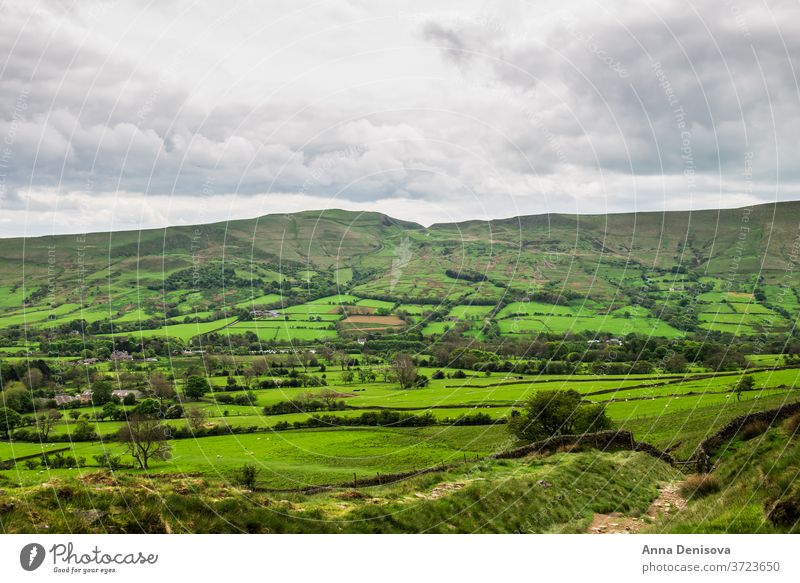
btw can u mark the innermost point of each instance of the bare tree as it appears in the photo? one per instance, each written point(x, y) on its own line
point(45, 422)
point(162, 388)
point(248, 375)
point(329, 396)
point(33, 379)
point(145, 439)
point(196, 418)
point(260, 367)
point(404, 370)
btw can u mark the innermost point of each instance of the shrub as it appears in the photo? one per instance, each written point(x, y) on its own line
point(792, 425)
point(558, 412)
point(699, 485)
point(753, 429)
point(246, 476)
point(786, 511)
point(107, 460)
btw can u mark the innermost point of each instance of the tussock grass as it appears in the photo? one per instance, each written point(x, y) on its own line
point(699, 486)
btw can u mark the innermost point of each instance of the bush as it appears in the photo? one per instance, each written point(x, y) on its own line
point(792, 425)
point(699, 486)
point(107, 460)
point(558, 412)
point(753, 429)
point(474, 419)
point(246, 476)
point(786, 511)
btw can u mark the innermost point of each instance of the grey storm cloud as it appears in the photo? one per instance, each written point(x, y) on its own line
point(566, 106)
point(626, 91)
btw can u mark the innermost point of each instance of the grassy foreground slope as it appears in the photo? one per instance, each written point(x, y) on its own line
point(555, 494)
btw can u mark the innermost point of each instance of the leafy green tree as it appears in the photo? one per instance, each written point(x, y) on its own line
point(149, 408)
point(101, 392)
point(196, 387)
point(83, 431)
point(110, 410)
point(549, 413)
point(746, 383)
point(675, 362)
point(9, 420)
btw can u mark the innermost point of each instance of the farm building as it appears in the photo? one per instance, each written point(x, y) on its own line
point(122, 393)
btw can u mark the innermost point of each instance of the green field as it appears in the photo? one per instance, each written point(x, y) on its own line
point(388, 348)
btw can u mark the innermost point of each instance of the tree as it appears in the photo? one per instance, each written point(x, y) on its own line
point(248, 376)
point(9, 420)
point(17, 397)
point(145, 439)
point(83, 431)
point(366, 375)
point(549, 413)
point(163, 389)
point(110, 410)
point(260, 367)
point(675, 362)
point(196, 387)
point(329, 396)
point(149, 408)
point(347, 376)
point(101, 392)
point(45, 422)
point(33, 378)
point(746, 383)
point(405, 371)
point(74, 415)
point(196, 418)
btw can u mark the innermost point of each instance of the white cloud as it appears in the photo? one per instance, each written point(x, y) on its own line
point(165, 112)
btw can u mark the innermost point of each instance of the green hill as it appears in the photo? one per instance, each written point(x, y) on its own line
point(721, 271)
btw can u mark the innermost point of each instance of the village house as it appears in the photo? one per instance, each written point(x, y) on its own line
point(120, 355)
point(122, 393)
point(64, 399)
point(265, 313)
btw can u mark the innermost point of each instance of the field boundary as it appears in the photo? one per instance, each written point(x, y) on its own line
point(604, 441)
point(701, 458)
point(7, 464)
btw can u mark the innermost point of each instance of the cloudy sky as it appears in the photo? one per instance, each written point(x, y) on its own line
point(120, 115)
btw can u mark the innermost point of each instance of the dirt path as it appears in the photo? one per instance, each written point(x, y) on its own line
point(668, 501)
